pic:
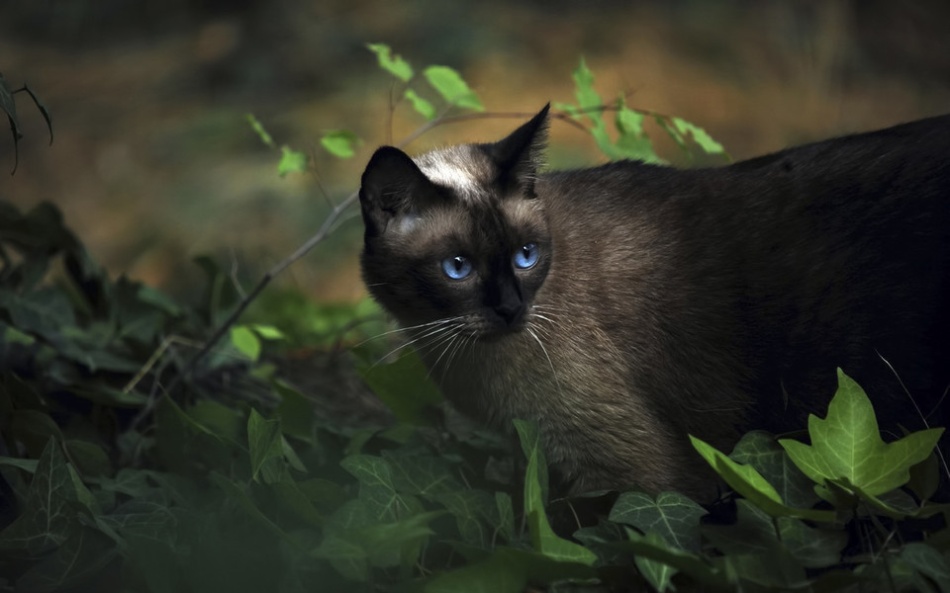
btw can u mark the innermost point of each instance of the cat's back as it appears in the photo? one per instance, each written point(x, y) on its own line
point(777, 269)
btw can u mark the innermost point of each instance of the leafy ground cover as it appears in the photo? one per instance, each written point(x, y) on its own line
point(128, 463)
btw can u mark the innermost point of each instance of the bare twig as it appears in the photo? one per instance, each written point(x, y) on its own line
point(319, 236)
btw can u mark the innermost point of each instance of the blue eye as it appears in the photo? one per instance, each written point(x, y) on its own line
point(526, 256)
point(457, 267)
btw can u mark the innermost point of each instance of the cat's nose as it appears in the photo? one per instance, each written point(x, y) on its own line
point(510, 312)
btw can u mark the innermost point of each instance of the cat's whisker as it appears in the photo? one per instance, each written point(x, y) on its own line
point(557, 382)
point(409, 328)
point(433, 333)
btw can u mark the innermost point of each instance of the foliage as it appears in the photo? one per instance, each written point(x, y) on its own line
point(127, 464)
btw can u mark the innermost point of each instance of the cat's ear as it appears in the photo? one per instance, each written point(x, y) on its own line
point(520, 155)
point(392, 185)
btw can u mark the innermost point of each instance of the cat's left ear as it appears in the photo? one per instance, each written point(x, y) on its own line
point(520, 155)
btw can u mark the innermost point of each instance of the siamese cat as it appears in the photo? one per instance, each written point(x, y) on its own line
point(626, 306)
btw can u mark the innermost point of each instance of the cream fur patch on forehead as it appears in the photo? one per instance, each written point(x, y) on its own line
point(461, 168)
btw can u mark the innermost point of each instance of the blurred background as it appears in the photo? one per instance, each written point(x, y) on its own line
point(154, 162)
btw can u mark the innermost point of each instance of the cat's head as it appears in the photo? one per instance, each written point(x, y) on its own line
point(459, 233)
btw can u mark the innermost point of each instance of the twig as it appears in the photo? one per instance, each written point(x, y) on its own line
point(319, 236)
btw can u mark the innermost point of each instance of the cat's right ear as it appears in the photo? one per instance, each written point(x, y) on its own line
point(392, 186)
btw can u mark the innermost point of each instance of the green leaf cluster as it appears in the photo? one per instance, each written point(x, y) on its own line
point(629, 139)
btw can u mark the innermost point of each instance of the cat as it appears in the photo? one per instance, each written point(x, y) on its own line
point(626, 306)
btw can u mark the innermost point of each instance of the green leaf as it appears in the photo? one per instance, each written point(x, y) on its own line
point(658, 574)
point(404, 386)
point(420, 473)
point(12, 335)
point(654, 548)
point(340, 143)
point(452, 87)
point(27, 465)
point(753, 533)
point(812, 547)
point(762, 451)
point(474, 511)
point(266, 449)
point(238, 493)
point(246, 342)
point(377, 488)
point(672, 516)
point(422, 107)
point(291, 161)
point(406, 537)
point(632, 142)
point(929, 562)
point(587, 97)
point(295, 411)
point(79, 561)
point(497, 574)
point(296, 500)
point(543, 537)
point(267, 332)
point(392, 63)
point(47, 519)
point(847, 445)
point(505, 523)
point(750, 484)
point(258, 128)
point(348, 558)
point(699, 135)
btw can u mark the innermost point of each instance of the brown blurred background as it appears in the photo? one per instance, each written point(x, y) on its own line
point(154, 162)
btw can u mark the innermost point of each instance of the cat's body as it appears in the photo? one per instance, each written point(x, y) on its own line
point(659, 302)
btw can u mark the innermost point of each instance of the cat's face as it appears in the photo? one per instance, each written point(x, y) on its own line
point(457, 236)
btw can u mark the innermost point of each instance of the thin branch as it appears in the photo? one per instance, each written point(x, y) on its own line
point(319, 236)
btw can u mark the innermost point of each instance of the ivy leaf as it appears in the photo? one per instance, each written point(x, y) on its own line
point(77, 562)
point(452, 87)
point(266, 448)
point(656, 573)
point(404, 385)
point(745, 480)
point(473, 511)
point(497, 574)
point(340, 143)
point(422, 106)
point(847, 445)
point(812, 547)
point(672, 516)
point(348, 558)
point(47, 519)
point(505, 523)
point(543, 537)
point(762, 451)
point(377, 489)
point(420, 473)
point(291, 161)
point(390, 62)
point(654, 548)
point(929, 562)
